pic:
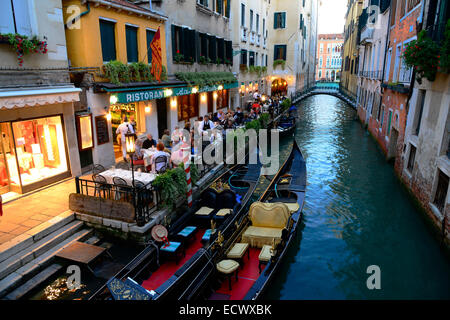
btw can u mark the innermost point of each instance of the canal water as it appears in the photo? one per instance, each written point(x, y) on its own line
point(356, 214)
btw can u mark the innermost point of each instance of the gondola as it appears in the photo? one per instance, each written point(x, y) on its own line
point(263, 236)
point(286, 125)
point(158, 271)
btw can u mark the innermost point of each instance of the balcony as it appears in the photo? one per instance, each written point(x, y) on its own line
point(252, 37)
point(258, 40)
point(375, 75)
point(366, 35)
point(243, 34)
point(265, 43)
point(405, 75)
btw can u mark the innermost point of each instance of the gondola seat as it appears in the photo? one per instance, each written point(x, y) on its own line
point(293, 206)
point(204, 211)
point(264, 256)
point(268, 221)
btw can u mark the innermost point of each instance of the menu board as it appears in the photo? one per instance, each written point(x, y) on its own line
point(85, 131)
point(101, 126)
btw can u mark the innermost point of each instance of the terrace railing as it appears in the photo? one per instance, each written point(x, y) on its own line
point(144, 199)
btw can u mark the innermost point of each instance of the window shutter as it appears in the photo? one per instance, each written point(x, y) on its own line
point(220, 6)
point(284, 52)
point(227, 10)
point(174, 41)
point(150, 35)
point(107, 38)
point(6, 17)
point(275, 20)
point(197, 46)
point(283, 20)
point(212, 48)
point(221, 48)
point(22, 17)
point(132, 48)
point(301, 20)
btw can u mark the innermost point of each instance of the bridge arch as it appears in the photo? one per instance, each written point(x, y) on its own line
point(322, 88)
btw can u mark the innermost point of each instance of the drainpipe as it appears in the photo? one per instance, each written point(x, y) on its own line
point(81, 14)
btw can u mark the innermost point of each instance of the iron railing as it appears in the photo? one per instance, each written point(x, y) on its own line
point(144, 199)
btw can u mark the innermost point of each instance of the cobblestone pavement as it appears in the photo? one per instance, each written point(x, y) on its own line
point(27, 212)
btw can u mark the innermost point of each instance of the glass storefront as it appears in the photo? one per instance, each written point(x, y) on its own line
point(32, 151)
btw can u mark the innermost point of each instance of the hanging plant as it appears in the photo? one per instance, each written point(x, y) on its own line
point(422, 55)
point(22, 45)
point(279, 62)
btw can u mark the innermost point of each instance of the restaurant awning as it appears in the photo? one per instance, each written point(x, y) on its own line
point(20, 98)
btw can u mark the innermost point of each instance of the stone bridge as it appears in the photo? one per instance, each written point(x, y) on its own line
point(319, 88)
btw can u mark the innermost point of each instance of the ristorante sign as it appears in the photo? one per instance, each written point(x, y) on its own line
point(144, 95)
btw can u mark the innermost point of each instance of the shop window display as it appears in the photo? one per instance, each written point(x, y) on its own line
point(40, 149)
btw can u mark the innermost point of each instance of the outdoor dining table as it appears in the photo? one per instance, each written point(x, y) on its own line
point(126, 175)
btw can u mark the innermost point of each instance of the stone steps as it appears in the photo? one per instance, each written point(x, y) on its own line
point(27, 271)
point(36, 249)
point(26, 239)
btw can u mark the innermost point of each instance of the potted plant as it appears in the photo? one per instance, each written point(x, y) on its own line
point(178, 57)
point(279, 62)
point(22, 45)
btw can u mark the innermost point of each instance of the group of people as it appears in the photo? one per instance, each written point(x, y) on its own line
point(169, 145)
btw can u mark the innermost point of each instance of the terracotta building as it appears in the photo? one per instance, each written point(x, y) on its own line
point(329, 56)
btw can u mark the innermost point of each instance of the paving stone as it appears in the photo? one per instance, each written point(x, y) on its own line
point(31, 223)
point(7, 226)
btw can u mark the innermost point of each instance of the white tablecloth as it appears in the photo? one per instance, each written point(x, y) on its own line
point(143, 177)
point(148, 153)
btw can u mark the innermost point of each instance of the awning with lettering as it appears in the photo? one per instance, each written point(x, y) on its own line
point(144, 95)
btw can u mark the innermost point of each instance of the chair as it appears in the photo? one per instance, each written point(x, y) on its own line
point(161, 164)
point(101, 185)
point(138, 164)
point(97, 168)
point(120, 192)
point(146, 194)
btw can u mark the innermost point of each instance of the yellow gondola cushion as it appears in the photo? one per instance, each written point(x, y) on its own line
point(260, 236)
point(238, 250)
point(223, 212)
point(265, 254)
point(270, 215)
point(204, 211)
point(293, 207)
point(227, 266)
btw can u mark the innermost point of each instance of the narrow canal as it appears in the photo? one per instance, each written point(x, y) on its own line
point(356, 214)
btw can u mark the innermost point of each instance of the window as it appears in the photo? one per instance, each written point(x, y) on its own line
point(40, 148)
point(187, 106)
point(411, 159)
point(264, 27)
point(219, 6)
point(226, 5)
point(398, 57)
point(279, 21)
point(393, 10)
point(242, 14)
point(388, 65)
point(15, 18)
point(419, 110)
point(203, 2)
point(320, 61)
point(389, 123)
point(382, 116)
point(266, 60)
point(222, 99)
point(150, 35)
point(132, 46)
point(402, 7)
point(251, 20)
point(321, 48)
point(107, 38)
point(244, 57)
point(441, 191)
point(251, 58)
point(257, 23)
point(320, 74)
point(279, 52)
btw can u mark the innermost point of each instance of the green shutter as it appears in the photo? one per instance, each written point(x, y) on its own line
point(220, 6)
point(174, 45)
point(197, 46)
point(283, 20)
point(132, 46)
point(227, 10)
point(107, 37)
point(275, 20)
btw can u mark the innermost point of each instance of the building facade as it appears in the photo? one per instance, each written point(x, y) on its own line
point(249, 22)
point(373, 31)
point(38, 129)
point(97, 33)
point(329, 52)
point(350, 58)
point(199, 41)
point(292, 45)
point(424, 164)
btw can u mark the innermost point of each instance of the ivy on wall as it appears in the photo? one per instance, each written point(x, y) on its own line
point(118, 72)
point(206, 78)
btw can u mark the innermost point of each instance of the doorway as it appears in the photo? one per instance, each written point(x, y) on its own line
point(392, 144)
point(161, 109)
